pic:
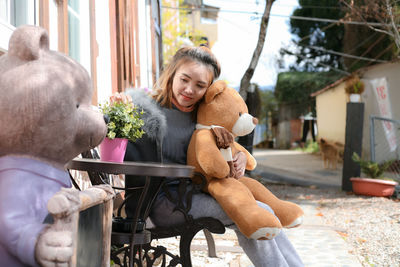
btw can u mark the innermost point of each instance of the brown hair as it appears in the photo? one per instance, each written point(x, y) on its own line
point(163, 87)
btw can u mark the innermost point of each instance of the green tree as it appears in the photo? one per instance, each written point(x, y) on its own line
point(293, 89)
point(310, 34)
point(357, 33)
point(269, 107)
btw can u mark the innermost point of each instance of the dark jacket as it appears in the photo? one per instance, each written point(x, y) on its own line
point(146, 149)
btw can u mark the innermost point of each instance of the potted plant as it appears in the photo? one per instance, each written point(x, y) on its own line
point(125, 124)
point(354, 88)
point(375, 184)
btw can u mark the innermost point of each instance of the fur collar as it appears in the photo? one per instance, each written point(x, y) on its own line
point(155, 124)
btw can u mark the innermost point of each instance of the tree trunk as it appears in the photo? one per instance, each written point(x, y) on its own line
point(247, 141)
point(245, 81)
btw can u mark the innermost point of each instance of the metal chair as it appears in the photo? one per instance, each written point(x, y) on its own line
point(131, 239)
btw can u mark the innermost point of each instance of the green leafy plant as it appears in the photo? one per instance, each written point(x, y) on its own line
point(124, 120)
point(370, 168)
point(354, 86)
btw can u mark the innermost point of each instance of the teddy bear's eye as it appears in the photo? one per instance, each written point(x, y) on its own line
point(77, 105)
point(240, 114)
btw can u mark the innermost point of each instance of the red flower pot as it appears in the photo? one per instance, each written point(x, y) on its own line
point(373, 187)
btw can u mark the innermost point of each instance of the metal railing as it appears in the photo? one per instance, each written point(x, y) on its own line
point(385, 143)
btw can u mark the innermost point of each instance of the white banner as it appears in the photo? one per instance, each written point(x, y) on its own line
point(380, 88)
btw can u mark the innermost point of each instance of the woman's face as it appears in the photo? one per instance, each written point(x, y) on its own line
point(190, 83)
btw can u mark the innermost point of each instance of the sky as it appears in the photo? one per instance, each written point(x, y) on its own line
point(238, 35)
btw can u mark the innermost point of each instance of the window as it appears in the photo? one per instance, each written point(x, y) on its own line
point(73, 30)
point(14, 13)
point(18, 12)
point(79, 32)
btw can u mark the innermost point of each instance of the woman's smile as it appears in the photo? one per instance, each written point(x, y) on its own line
point(186, 98)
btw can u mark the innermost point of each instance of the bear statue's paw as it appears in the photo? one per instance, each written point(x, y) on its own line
point(295, 223)
point(265, 233)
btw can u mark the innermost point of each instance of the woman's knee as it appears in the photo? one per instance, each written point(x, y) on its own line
point(265, 206)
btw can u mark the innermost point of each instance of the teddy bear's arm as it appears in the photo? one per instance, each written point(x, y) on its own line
point(251, 161)
point(209, 157)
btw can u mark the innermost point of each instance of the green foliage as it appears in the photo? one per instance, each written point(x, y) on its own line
point(370, 168)
point(296, 87)
point(357, 40)
point(310, 147)
point(269, 105)
point(354, 86)
point(125, 120)
point(316, 33)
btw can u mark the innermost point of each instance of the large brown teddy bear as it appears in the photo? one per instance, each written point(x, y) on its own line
point(46, 120)
point(224, 107)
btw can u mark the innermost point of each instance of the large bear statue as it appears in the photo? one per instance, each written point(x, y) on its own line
point(46, 120)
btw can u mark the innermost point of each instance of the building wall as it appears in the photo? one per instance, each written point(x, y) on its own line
point(331, 114)
point(391, 72)
point(209, 29)
point(331, 105)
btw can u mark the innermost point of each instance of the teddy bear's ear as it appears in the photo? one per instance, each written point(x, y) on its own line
point(216, 88)
point(27, 41)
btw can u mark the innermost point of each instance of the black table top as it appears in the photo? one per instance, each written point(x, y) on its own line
point(131, 168)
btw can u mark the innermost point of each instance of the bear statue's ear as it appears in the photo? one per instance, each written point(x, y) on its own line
point(216, 88)
point(27, 41)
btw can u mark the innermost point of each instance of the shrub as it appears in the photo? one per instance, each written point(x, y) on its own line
point(124, 120)
point(370, 168)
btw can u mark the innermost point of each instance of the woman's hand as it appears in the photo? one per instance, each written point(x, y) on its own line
point(120, 97)
point(239, 163)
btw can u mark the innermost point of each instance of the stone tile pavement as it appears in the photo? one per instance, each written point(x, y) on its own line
point(317, 244)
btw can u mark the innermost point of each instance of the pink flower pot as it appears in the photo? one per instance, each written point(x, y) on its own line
point(373, 187)
point(113, 149)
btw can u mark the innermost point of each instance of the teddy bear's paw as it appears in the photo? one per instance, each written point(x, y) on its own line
point(296, 223)
point(265, 233)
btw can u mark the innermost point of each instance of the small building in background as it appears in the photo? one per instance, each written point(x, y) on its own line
point(203, 19)
point(382, 81)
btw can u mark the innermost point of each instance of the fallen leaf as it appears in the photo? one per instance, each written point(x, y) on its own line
point(342, 234)
point(361, 240)
point(319, 214)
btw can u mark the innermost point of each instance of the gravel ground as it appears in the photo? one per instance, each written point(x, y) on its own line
point(370, 225)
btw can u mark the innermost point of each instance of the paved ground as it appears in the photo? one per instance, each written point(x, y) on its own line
point(296, 167)
point(316, 243)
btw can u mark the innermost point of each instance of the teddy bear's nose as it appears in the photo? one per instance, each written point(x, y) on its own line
point(106, 119)
point(255, 121)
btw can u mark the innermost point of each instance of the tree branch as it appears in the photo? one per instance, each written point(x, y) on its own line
point(396, 34)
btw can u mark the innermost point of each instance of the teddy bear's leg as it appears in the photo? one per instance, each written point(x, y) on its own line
point(240, 205)
point(289, 213)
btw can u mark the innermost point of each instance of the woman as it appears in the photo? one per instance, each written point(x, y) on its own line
point(178, 91)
